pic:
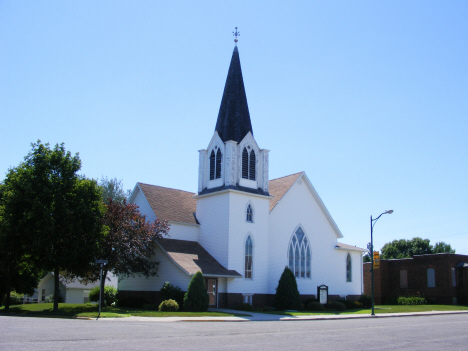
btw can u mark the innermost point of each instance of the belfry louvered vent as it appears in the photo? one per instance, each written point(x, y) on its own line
point(245, 164)
point(218, 164)
point(252, 166)
point(212, 165)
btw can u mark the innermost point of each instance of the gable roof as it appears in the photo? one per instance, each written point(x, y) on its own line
point(234, 119)
point(170, 204)
point(192, 257)
point(278, 187)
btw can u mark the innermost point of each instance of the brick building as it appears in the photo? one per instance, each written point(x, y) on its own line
point(440, 278)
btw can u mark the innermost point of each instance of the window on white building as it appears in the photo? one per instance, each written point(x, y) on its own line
point(348, 268)
point(249, 214)
point(248, 258)
point(299, 257)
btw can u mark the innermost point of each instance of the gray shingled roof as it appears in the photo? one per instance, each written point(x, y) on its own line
point(192, 257)
point(234, 119)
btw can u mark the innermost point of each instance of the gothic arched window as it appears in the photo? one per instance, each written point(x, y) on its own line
point(299, 257)
point(249, 214)
point(348, 268)
point(215, 164)
point(248, 258)
point(248, 164)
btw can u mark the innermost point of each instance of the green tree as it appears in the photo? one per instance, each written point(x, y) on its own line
point(57, 211)
point(287, 295)
point(196, 298)
point(112, 189)
point(442, 247)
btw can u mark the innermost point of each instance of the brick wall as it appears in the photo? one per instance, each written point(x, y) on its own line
point(387, 279)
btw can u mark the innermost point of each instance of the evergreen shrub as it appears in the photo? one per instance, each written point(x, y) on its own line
point(196, 298)
point(168, 306)
point(171, 292)
point(287, 295)
point(337, 306)
point(314, 306)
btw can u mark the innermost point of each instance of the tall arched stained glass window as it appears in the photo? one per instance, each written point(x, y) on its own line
point(248, 258)
point(299, 257)
point(348, 268)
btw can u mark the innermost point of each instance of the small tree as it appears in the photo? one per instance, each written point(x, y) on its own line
point(196, 298)
point(287, 295)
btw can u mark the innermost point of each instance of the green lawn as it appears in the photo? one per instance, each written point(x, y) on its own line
point(91, 311)
point(380, 309)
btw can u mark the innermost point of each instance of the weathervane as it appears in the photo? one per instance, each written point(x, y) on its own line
point(236, 34)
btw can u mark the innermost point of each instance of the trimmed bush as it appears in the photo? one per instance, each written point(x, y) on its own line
point(349, 304)
point(314, 306)
point(412, 300)
point(168, 306)
point(245, 307)
point(196, 298)
point(337, 306)
point(358, 304)
point(366, 301)
point(110, 294)
point(287, 295)
point(171, 292)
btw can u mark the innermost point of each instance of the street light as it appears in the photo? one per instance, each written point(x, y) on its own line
point(372, 223)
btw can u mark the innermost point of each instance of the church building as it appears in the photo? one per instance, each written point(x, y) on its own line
point(242, 229)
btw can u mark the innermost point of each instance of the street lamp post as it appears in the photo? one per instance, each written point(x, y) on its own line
point(372, 223)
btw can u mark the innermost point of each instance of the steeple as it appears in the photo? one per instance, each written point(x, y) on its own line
point(234, 118)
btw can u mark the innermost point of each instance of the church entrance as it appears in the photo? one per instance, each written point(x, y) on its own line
point(212, 287)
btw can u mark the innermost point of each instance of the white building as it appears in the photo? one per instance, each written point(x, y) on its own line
point(242, 229)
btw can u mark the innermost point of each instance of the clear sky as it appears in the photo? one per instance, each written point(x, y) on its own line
point(369, 98)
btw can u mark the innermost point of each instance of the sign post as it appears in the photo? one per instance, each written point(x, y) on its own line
point(376, 260)
point(102, 263)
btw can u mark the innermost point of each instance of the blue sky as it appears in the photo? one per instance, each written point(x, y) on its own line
point(369, 98)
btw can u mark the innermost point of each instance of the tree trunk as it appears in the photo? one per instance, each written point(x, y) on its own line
point(56, 288)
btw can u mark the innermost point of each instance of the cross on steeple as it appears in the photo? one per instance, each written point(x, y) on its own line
point(236, 34)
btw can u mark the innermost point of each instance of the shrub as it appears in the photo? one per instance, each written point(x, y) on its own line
point(15, 299)
point(168, 306)
point(307, 301)
point(245, 307)
point(287, 295)
point(412, 300)
point(366, 301)
point(196, 298)
point(337, 306)
point(349, 304)
point(171, 292)
point(358, 304)
point(50, 298)
point(110, 294)
point(131, 301)
point(314, 306)
point(264, 309)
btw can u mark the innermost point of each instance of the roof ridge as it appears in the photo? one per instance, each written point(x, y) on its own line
point(165, 187)
point(287, 176)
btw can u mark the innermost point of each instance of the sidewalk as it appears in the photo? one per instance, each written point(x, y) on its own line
point(256, 317)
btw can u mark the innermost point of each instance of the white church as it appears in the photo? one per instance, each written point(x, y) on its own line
point(242, 229)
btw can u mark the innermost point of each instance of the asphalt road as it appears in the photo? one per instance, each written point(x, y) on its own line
point(439, 332)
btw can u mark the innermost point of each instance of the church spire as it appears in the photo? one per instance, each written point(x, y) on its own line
point(234, 118)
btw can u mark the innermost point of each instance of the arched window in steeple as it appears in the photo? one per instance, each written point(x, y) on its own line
point(348, 268)
point(215, 164)
point(299, 257)
point(248, 164)
point(248, 258)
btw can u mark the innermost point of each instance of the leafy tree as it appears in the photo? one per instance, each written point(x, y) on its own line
point(287, 296)
point(442, 247)
point(196, 298)
point(408, 248)
point(113, 189)
point(57, 211)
